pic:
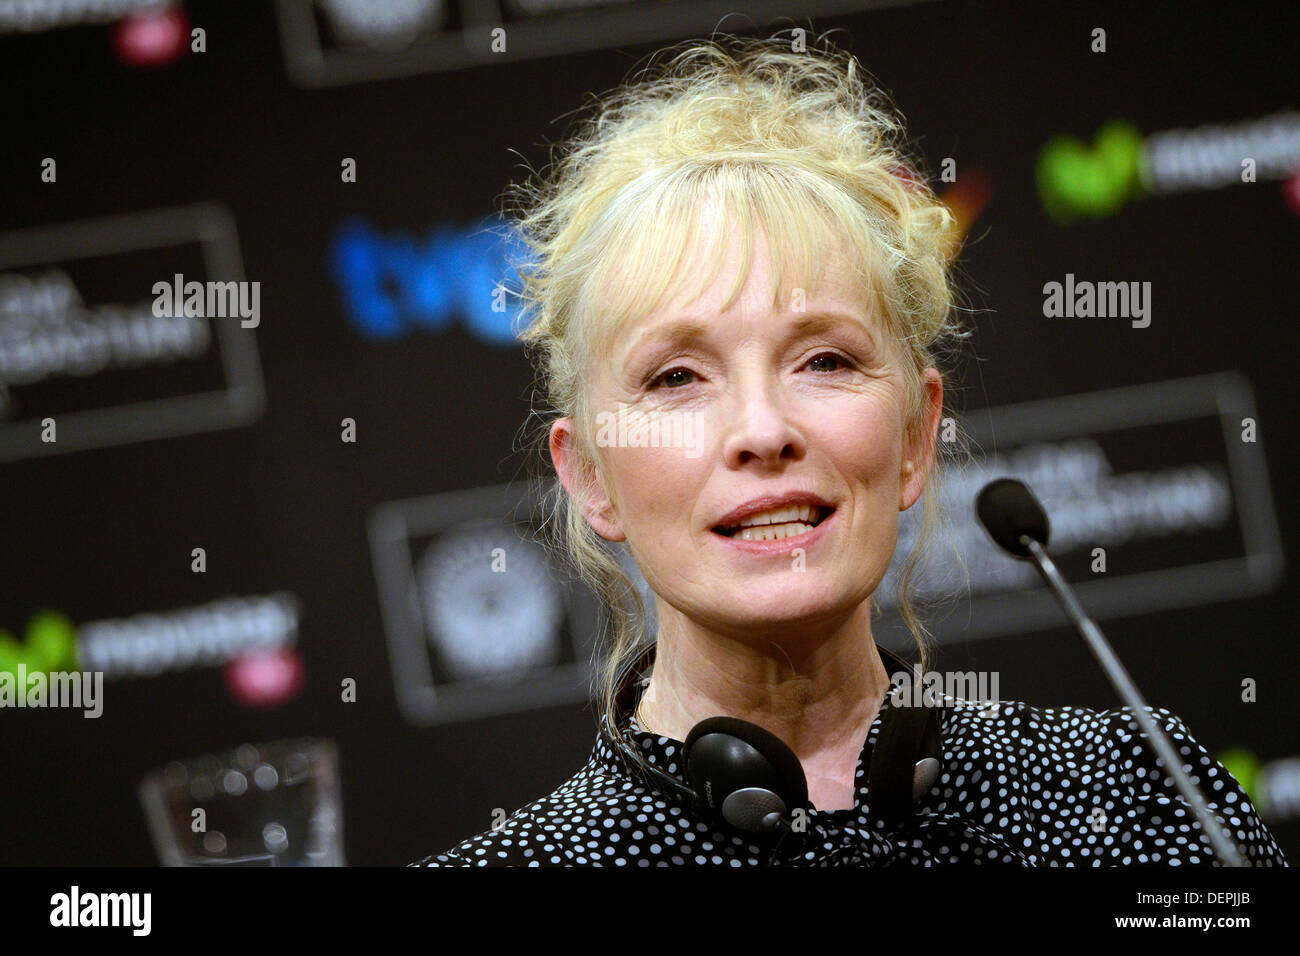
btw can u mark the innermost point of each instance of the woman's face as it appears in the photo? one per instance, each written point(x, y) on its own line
point(770, 402)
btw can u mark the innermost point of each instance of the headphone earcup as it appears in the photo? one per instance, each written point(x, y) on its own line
point(743, 773)
point(905, 762)
point(929, 760)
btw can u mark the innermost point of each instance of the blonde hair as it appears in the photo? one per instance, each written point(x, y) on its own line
point(802, 142)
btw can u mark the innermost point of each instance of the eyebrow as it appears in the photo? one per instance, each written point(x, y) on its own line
point(685, 331)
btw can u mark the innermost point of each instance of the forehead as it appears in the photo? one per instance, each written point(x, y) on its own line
point(727, 277)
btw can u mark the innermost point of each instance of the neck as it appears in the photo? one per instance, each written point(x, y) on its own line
point(818, 692)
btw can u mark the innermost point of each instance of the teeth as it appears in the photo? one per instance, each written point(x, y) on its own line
point(773, 532)
point(804, 513)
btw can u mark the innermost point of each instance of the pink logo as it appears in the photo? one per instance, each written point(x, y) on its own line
point(152, 39)
point(265, 678)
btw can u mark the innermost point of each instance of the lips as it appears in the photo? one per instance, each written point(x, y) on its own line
point(757, 544)
point(731, 522)
point(767, 519)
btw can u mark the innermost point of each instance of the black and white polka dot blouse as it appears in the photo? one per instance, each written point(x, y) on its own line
point(1020, 785)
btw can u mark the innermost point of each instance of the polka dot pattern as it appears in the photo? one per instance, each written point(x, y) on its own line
point(1020, 785)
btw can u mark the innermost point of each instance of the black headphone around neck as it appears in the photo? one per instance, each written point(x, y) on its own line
point(746, 779)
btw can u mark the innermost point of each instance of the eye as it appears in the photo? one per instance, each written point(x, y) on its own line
point(654, 383)
point(663, 380)
point(831, 355)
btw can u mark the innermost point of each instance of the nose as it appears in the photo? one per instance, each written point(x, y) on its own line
point(759, 426)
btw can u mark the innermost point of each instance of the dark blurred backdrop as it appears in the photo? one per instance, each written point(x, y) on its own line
point(343, 590)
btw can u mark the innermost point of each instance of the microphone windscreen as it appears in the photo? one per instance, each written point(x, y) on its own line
point(1008, 509)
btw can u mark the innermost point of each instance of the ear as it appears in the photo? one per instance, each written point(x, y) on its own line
point(581, 482)
point(918, 453)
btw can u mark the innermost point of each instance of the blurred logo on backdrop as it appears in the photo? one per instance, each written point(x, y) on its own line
point(479, 619)
point(1158, 497)
point(1273, 787)
point(393, 285)
point(391, 25)
point(253, 638)
point(1077, 181)
point(329, 42)
point(86, 361)
point(153, 37)
point(966, 198)
point(148, 33)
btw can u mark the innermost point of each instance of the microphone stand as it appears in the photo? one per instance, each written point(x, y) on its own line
point(1228, 854)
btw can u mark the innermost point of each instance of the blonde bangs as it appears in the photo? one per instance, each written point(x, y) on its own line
point(660, 244)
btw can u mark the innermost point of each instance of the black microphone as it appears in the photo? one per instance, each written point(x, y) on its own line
point(1016, 521)
point(1009, 510)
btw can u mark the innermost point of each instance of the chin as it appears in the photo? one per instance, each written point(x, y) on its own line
point(784, 605)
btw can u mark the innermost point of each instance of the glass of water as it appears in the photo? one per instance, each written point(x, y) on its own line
point(272, 804)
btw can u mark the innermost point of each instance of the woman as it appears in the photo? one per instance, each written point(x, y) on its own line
point(735, 258)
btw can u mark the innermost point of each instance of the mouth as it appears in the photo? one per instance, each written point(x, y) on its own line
point(777, 531)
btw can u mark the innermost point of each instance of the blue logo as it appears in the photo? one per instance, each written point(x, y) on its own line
point(393, 284)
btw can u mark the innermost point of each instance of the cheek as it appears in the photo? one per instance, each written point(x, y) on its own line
point(865, 441)
point(656, 484)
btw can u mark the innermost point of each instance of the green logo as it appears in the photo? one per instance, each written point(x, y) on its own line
point(50, 646)
point(1075, 181)
point(1244, 767)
